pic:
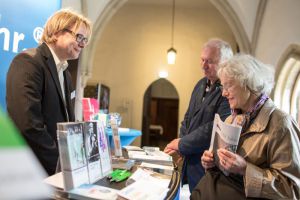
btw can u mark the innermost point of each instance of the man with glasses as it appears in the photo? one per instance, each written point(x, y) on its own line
point(206, 100)
point(39, 91)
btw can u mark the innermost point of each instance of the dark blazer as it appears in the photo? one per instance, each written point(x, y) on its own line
point(35, 103)
point(196, 128)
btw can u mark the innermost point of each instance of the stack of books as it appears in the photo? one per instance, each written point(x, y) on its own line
point(150, 155)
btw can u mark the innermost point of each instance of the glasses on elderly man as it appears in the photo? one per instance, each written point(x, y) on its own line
point(79, 37)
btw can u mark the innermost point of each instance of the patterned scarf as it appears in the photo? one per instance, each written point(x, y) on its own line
point(249, 116)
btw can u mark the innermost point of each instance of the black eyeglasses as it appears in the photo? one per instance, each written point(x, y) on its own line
point(79, 37)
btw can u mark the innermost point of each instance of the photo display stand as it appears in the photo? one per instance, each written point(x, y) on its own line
point(84, 153)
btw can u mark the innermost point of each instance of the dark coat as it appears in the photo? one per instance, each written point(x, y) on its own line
point(35, 103)
point(196, 128)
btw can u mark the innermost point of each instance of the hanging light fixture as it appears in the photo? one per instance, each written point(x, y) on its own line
point(172, 52)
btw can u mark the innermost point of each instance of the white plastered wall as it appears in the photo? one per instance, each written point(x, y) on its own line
point(279, 29)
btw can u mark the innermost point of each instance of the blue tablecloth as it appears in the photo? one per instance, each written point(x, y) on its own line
point(127, 136)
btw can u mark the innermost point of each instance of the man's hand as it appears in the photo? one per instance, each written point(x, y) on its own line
point(172, 147)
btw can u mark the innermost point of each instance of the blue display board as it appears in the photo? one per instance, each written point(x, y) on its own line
point(21, 26)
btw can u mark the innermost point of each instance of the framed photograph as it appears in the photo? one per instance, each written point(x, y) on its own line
point(104, 92)
point(100, 92)
point(91, 91)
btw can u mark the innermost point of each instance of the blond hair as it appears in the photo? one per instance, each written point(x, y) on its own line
point(61, 20)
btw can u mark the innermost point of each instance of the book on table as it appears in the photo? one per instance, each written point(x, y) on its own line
point(91, 142)
point(145, 184)
point(72, 154)
point(93, 192)
point(151, 155)
point(104, 151)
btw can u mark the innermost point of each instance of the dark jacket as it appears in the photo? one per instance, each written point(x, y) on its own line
point(35, 103)
point(196, 128)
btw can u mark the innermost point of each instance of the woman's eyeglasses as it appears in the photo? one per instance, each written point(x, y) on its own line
point(226, 87)
point(79, 37)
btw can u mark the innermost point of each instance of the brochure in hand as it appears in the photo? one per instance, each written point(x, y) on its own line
point(224, 136)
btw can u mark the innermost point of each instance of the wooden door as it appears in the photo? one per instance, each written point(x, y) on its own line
point(164, 112)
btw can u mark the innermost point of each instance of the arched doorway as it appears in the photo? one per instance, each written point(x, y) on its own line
point(160, 114)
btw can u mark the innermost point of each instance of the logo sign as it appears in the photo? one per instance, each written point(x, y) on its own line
point(21, 27)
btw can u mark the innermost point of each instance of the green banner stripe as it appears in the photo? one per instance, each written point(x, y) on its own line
point(9, 135)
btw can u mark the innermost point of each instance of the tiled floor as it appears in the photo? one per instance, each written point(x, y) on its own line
point(185, 192)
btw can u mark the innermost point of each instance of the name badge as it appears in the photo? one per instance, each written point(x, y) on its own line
point(73, 94)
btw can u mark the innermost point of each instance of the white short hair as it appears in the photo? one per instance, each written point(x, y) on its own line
point(249, 72)
point(225, 50)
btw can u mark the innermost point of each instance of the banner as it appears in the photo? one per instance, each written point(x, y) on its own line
point(21, 27)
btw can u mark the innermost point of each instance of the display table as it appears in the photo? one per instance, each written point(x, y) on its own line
point(127, 136)
point(173, 193)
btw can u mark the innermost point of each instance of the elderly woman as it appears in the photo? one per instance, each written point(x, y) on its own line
point(267, 162)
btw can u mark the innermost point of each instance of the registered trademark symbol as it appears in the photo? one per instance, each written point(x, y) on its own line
point(37, 34)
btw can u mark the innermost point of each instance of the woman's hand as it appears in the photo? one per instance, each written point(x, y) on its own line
point(207, 160)
point(232, 162)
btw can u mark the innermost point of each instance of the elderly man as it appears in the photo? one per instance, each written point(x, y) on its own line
point(206, 100)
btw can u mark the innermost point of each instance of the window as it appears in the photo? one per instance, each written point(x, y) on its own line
point(287, 90)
